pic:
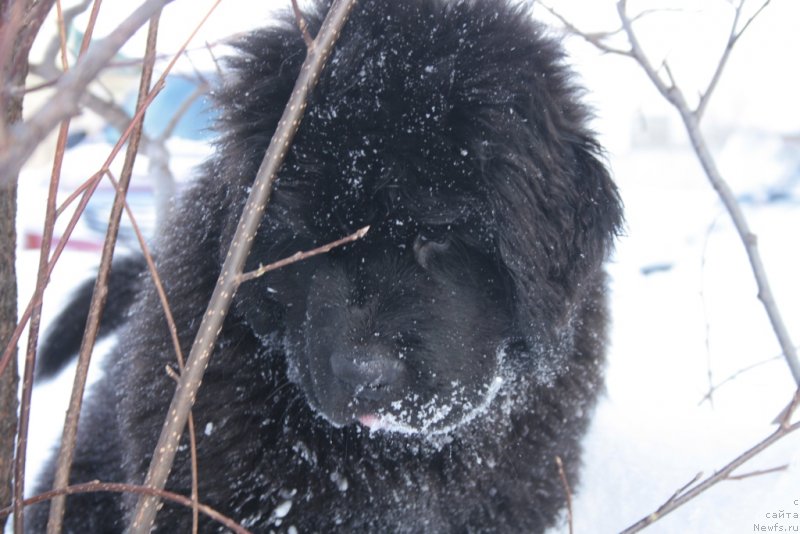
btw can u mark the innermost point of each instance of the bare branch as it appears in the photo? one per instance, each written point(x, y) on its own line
point(110, 111)
point(299, 256)
point(785, 417)
point(210, 49)
point(86, 190)
point(680, 491)
point(759, 472)
point(637, 52)
point(199, 91)
point(749, 239)
point(596, 39)
point(691, 121)
point(302, 24)
point(115, 487)
point(685, 495)
point(734, 36)
point(58, 43)
point(70, 431)
point(176, 346)
point(565, 484)
point(164, 453)
point(33, 334)
point(734, 376)
point(23, 138)
point(193, 452)
point(42, 279)
point(739, 33)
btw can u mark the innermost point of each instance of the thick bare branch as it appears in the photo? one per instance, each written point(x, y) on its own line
point(164, 453)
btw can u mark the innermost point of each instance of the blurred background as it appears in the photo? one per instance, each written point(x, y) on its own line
point(695, 375)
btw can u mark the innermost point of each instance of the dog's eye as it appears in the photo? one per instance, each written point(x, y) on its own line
point(429, 243)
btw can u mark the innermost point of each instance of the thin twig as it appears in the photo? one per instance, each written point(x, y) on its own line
point(42, 279)
point(595, 39)
point(748, 238)
point(759, 472)
point(713, 388)
point(116, 487)
point(210, 49)
point(211, 324)
point(784, 418)
point(33, 335)
point(680, 491)
point(199, 91)
point(58, 45)
point(734, 36)
point(193, 453)
point(704, 303)
point(299, 256)
point(302, 24)
point(565, 484)
point(176, 346)
point(70, 432)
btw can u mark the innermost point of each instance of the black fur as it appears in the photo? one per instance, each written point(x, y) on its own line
point(63, 339)
point(424, 378)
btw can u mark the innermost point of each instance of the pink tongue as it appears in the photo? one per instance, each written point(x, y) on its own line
point(369, 420)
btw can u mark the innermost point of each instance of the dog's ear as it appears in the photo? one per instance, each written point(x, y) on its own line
point(557, 212)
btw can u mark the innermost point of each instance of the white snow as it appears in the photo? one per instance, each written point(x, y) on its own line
point(695, 313)
point(282, 509)
point(651, 434)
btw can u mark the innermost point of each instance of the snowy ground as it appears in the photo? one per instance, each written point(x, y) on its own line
point(696, 311)
point(683, 302)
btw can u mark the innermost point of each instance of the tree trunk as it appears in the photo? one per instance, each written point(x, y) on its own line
point(8, 319)
point(22, 18)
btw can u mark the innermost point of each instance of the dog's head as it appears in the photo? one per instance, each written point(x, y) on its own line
point(455, 133)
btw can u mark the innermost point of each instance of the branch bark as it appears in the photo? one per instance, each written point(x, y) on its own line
point(164, 453)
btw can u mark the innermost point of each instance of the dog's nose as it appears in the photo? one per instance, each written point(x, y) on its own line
point(368, 371)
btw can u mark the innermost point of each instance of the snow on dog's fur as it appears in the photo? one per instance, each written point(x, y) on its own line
point(424, 378)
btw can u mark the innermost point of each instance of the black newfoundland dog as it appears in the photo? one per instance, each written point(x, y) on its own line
point(422, 379)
